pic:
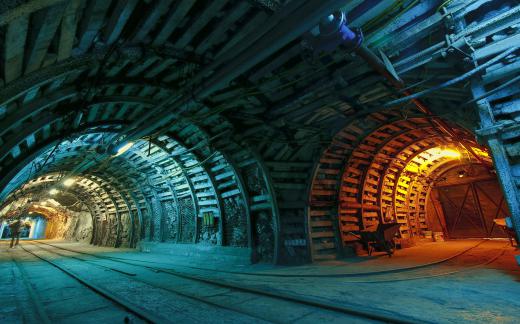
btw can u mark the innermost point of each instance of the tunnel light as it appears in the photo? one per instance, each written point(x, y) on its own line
point(53, 191)
point(68, 182)
point(123, 148)
point(451, 153)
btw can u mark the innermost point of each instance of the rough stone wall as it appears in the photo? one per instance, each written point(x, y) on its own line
point(126, 224)
point(187, 219)
point(263, 234)
point(156, 220)
point(209, 233)
point(72, 226)
point(235, 223)
point(171, 222)
point(264, 238)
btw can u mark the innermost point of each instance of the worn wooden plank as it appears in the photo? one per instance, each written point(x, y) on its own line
point(217, 33)
point(201, 21)
point(118, 20)
point(172, 21)
point(68, 29)
point(43, 28)
point(91, 22)
point(15, 37)
point(244, 31)
point(158, 10)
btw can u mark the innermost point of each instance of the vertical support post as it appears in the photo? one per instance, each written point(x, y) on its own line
point(499, 155)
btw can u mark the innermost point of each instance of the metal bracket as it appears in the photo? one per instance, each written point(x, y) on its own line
point(389, 66)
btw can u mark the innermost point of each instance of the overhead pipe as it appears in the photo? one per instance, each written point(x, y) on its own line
point(334, 31)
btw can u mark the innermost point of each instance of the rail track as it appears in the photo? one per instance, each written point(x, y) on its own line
point(444, 267)
point(118, 301)
point(131, 270)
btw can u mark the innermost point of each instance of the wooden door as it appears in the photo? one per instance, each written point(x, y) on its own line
point(469, 209)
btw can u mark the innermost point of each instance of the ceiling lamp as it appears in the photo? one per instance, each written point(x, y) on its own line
point(123, 148)
point(68, 182)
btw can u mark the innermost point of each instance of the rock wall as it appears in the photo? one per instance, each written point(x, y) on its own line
point(70, 225)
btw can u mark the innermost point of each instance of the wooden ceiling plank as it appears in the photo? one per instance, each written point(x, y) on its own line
point(43, 28)
point(118, 20)
point(159, 67)
point(151, 19)
point(219, 30)
point(92, 21)
point(253, 24)
point(209, 12)
point(68, 30)
point(16, 34)
point(173, 20)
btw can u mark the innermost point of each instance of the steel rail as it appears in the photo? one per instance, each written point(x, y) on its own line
point(116, 299)
point(177, 292)
point(33, 296)
point(275, 295)
point(278, 275)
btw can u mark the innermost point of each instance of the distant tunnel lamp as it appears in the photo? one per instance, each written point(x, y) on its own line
point(122, 149)
point(53, 191)
point(462, 174)
point(69, 182)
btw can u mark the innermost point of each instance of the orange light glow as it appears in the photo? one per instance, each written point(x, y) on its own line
point(422, 161)
point(437, 152)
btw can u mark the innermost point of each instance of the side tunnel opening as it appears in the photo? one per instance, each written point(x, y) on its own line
point(386, 172)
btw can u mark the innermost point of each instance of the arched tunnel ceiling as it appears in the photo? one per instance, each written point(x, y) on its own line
point(220, 109)
point(92, 70)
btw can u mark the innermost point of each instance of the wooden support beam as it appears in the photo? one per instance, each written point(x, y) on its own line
point(68, 29)
point(174, 18)
point(217, 33)
point(43, 28)
point(118, 20)
point(201, 21)
point(158, 10)
point(91, 22)
point(16, 34)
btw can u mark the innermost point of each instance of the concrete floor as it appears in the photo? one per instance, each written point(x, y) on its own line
point(466, 281)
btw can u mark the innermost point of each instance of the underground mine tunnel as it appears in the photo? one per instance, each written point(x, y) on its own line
point(243, 161)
